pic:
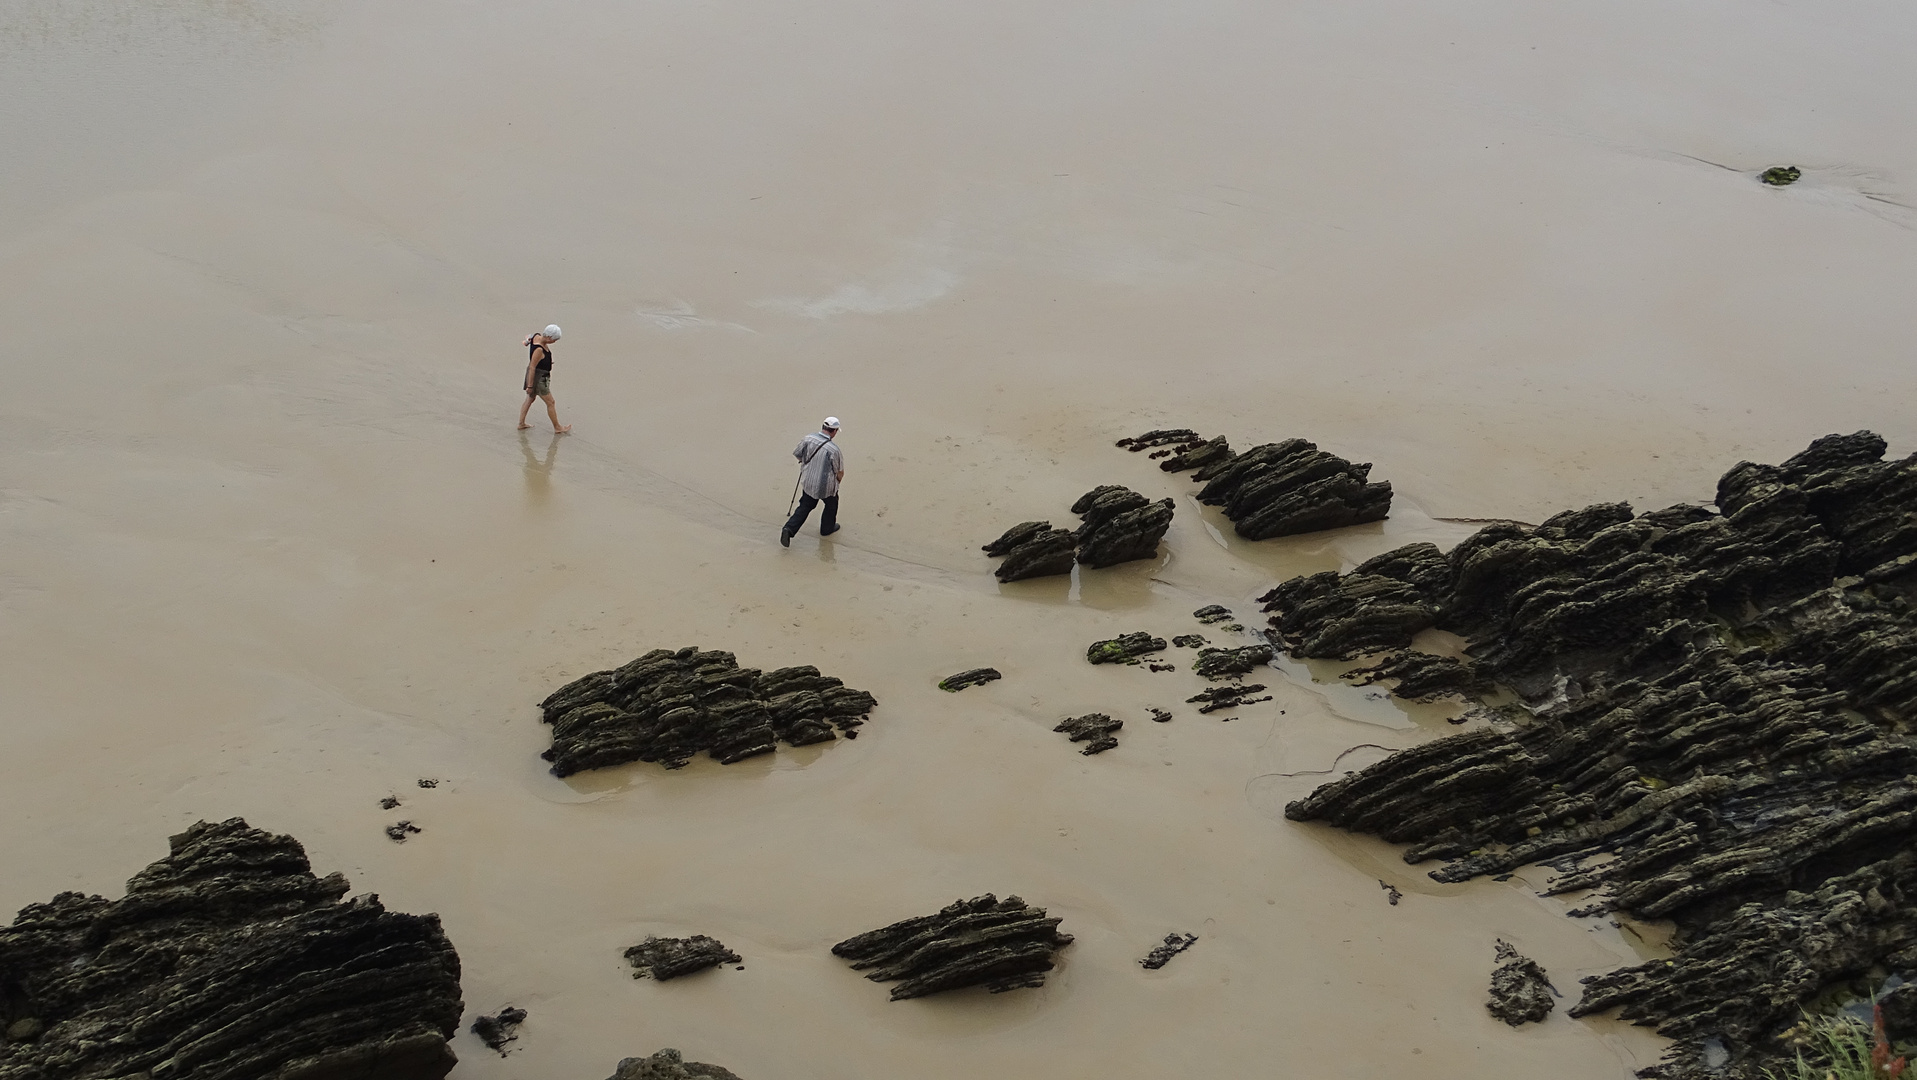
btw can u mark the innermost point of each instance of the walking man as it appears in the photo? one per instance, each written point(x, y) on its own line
point(821, 467)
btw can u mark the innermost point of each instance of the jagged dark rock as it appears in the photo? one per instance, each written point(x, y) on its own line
point(1212, 613)
point(999, 944)
point(1120, 525)
point(1198, 456)
point(1780, 175)
point(667, 706)
point(1227, 697)
point(390, 802)
point(1229, 663)
point(1160, 716)
point(1282, 489)
point(669, 1065)
point(428, 782)
point(1721, 730)
point(1015, 537)
point(1161, 955)
point(1045, 554)
point(1520, 992)
point(1190, 641)
point(228, 960)
point(1124, 648)
point(668, 958)
point(1160, 437)
point(398, 831)
point(974, 677)
point(1382, 604)
point(1392, 894)
point(498, 1030)
point(1094, 729)
point(1424, 676)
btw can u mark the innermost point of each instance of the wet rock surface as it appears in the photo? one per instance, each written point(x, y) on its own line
point(1423, 676)
point(1190, 641)
point(669, 1065)
point(998, 944)
point(228, 960)
point(1213, 613)
point(1520, 992)
point(1094, 729)
point(1227, 697)
point(1275, 489)
point(1718, 731)
point(1162, 954)
point(1124, 648)
point(1781, 175)
point(499, 1029)
point(667, 706)
point(1117, 525)
point(1230, 663)
point(669, 958)
point(974, 677)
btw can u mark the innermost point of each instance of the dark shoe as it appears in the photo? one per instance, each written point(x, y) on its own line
point(785, 538)
point(830, 531)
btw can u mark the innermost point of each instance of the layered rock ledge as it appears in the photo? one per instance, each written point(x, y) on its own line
point(1274, 489)
point(1117, 525)
point(228, 960)
point(999, 944)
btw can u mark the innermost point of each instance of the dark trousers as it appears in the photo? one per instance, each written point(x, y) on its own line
point(828, 521)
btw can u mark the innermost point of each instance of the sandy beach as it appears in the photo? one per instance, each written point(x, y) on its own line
point(275, 550)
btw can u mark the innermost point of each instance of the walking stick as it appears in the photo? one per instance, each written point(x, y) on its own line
point(794, 501)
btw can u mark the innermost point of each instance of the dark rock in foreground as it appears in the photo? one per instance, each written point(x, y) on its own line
point(496, 1031)
point(669, 1065)
point(1723, 710)
point(669, 958)
point(1520, 992)
point(1162, 954)
point(1124, 648)
point(228, 960)
point(974, 677)
point(667, 706)
point(999, 944)
point(1094, 729)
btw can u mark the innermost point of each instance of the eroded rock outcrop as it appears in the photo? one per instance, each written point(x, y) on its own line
point(1275, 489)
point(1721, 709)
point(1117, 525)
point(667, 706)
point(669, 958)
point(1420, 676)
point(952, 684)
point(1520, 991)
point(998, 944)
point(1124, 648)
point(228, 960)
point(669, 1065)
point(1093, 729)
point(1218, 664)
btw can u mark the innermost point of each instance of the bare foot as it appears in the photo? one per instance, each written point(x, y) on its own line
point(567, 430)
point(525, 427)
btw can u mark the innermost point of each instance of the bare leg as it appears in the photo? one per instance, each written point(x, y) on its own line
point(523, 410)
point(553, 411)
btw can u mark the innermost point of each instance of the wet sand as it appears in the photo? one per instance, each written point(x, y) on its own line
point(275, 550)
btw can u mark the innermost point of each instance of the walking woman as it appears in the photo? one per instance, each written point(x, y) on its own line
point(539, 377)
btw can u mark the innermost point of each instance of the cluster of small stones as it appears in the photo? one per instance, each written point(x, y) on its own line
point(1520, 991)
point(667, 706)
point(998, 944)
point(669, 958)
point(1118, 525)
point(1093, 729)
point(1274, 489)
point(1720, 706)
point(227, 960)
point(669, 1065)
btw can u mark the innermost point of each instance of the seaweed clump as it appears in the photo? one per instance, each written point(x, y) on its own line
point(227, 960)
point(998, 944)
point(667, 706)
point(1721, 709)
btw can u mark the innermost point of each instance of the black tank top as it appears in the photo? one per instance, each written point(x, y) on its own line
point(545, 364)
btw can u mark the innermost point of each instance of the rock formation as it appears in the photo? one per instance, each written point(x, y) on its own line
point(1190, 641)
point(1125, 648)
point(1423, 676)
point(1520, 992)
point(1213, 613)
point(1161, 954)
point(1276, 489)
point(1781, 175)
point(1117, 525)
point(1227, 697)
point(974, 677)
point(667, 706)
point(669, 1065)
point(999, 944)
point(1230, 663)
point(227, 960)
point(1722, 704)
point(1094, 729)
point(498, 1030)
point(668, 958)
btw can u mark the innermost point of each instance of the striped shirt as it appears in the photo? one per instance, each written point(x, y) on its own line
point(821, 462)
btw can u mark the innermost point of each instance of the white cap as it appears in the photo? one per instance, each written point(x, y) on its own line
point(831, 422)
point(552, 332)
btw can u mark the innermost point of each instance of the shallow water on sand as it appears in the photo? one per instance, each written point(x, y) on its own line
point(274, 549)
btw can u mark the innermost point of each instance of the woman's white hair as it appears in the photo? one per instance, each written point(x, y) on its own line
point(552, 332)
